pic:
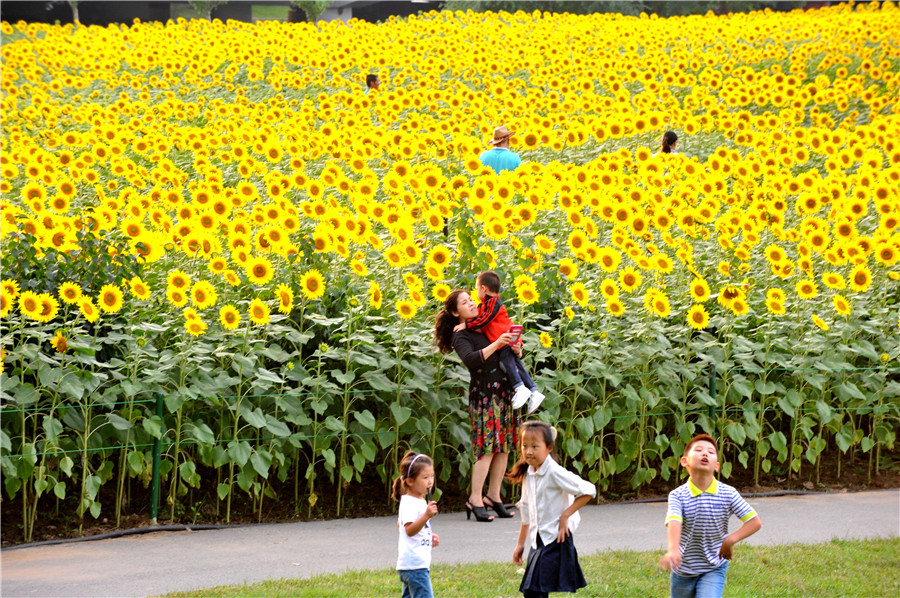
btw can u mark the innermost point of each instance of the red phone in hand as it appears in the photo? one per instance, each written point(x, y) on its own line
point(517, 330)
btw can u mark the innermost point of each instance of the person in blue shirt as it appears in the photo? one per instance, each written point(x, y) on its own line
point(372, 82)
point(501, 157)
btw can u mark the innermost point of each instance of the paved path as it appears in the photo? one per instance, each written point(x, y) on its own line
point(153, 564)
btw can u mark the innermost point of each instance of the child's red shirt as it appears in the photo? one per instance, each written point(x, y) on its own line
point(492, 318)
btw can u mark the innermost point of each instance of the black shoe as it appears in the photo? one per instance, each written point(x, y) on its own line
point(498, 507)
point(481, 513)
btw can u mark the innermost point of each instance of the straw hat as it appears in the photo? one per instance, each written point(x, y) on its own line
point(501, 134)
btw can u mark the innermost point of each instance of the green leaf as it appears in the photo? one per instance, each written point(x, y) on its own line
point(347, 472)
point(187, 470)
point(365, 418)
point(328, 455)
point(92, 485)
point(825, 413)
point(264, 374)
point(95, 509)
point(764, 388)
point(254, 417)
point(866, 443)
point(239, 452)
point(72, 385)
point(742, 386)
point(849, 390)
point(334, 424)
point(585, 427)
point(401, 414)
point(343, 378)
point(153, 426)
point(135, 460)
point(52, 428)
point(222, 491)
point(66, 464)
point(602, 416)
point(378, 381)
point(736, 432)
point(27, 395)
point(118, 422)
point(277, 427)
point(59, 489)
point(203, 434)
point(261, 461)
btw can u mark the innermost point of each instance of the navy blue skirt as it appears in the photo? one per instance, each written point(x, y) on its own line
point(553, 568)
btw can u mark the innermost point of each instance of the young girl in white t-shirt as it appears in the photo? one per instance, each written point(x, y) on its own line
point(414, 521)
point(551, 497)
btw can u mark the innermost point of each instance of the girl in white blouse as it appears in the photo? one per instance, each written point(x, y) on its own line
point(551, 496)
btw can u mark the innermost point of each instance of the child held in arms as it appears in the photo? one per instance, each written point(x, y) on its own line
point(697, 520)
point(492, 321)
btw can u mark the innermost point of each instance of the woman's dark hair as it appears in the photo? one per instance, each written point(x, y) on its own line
point(445, 321)
point(669, 139)
point(518, 471)
point(370, 80)
point(410, 466)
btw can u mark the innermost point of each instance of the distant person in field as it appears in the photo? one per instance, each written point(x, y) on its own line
point(493, 423)
point(493, 320)
point(372, 82)
point(501, 157)
point(669, 142)
point(697, 521)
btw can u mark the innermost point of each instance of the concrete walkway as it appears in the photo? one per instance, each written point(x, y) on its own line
point(157, 563)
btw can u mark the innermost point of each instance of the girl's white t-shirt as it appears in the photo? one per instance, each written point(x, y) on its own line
point(413, 552)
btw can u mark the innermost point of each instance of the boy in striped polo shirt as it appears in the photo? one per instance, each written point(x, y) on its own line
point(697, 521)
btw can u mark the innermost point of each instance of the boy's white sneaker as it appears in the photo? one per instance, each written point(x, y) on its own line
point(521, 397)
point(537, 397)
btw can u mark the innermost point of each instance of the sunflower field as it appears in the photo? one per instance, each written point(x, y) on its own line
point(214, 237)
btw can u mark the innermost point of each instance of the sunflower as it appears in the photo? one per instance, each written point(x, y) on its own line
point(579, 293)
point(11, 287)
point(833, 280)
point(359, 268)
point(841, 305)
point(69, 292)
point(6, 303)
point(568, 268)
point(88, 309)
point(195, 326)
point(259, 270)
point(59, 342)
point(176, 297)
point(544, 245)
point(698, 317)
point(285, 298)
point(700, 290)
point(407, 309)
point(111, 298)
point(819, 322)
point(229, 316)
point(739, 306)
point(30, 304)
point(860, 278)
point(312, 284)
point(615, 307)
point(441, 291)
point(546, 340)
point(375, 296)
point(775, 306)
point(660, 305)
point(609, 288)
point(609, 259)
point(630, 279)
point(178, 279)
point(258, 312)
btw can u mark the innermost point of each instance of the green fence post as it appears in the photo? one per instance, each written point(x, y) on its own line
point(712, 390)
point(157, 449)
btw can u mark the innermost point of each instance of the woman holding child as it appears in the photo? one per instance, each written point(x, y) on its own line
point(494, 423)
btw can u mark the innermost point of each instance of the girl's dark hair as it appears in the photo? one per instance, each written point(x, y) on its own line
point(518, 471)
point(445, 321)
point(669, 138)
point(409, 470)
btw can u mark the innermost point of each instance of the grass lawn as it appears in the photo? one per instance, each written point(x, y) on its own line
point(837, 568)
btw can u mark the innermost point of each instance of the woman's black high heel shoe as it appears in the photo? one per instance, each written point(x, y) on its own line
point(481, 513)
point(498, 507)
